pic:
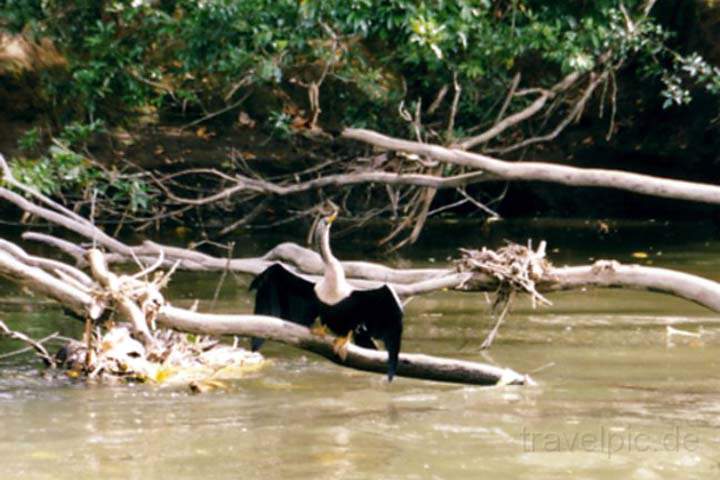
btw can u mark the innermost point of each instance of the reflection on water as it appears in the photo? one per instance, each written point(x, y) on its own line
point(617, 398)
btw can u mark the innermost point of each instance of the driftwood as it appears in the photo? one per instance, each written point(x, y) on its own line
point(425, 367)
point(84, 300)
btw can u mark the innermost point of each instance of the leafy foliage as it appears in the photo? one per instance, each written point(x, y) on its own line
point(140, 56)
point(63, 171)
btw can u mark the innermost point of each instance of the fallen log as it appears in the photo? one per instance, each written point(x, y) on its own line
point(425, 367)
point(612, 274)
point(500, 170)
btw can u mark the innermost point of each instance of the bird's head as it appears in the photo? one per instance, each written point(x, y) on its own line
point(324, 222)
point(329, 219)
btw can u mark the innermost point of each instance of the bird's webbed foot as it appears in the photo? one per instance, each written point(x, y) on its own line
point(340, 345)
point(320, 330)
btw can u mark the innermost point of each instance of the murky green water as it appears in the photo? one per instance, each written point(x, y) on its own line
point(616, 397)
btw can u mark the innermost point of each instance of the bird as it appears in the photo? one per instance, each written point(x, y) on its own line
point(361, 316)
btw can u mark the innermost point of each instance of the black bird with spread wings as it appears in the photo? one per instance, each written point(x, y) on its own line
point(361, 315)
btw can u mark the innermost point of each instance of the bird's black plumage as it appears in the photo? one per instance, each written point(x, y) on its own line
point(369, 314)
point(283, 294)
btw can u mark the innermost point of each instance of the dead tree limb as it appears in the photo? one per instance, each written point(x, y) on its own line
point(547, 172)
point(410, 282)
point(44, 283)
point(612, 274)
point(573, 115)
point(242, 184)
point(411, 365)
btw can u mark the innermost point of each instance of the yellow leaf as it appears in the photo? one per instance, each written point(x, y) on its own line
point(639, 255)
point(164, 373)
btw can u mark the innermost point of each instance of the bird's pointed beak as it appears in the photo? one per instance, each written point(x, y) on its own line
point(331, 218)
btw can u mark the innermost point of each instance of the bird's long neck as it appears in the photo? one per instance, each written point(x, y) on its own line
point(334, 273)
point(333, 287)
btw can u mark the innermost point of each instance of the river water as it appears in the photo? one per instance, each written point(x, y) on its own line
point(616, 397)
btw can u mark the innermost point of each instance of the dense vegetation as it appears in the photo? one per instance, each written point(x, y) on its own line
point(438, 71)
point(133, 55)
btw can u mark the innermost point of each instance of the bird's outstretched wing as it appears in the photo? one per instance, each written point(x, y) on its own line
point(378, 313)
point(283, 294)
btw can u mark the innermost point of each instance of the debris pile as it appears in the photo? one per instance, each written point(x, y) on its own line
point(517, 268)
point(173, 358)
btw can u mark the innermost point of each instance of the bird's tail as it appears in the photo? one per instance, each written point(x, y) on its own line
point(255, 282)
point(392, 342)
point(256, 342)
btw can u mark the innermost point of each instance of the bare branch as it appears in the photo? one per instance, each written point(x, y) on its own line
point(37, 346)
point(511, 93)
point(245, 184)
point(506, 123)
point(44, 283)
point(46, 263)
point(214, 114)
point(479, 205)
point(548, 172)
point(572, 115)
point(613, 107)
point(527, 112)
point(647, 6)
point(457, 89)
point(438, 100)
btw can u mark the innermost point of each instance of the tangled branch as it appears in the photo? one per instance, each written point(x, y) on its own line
point(129, 295)
point(516, 268)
